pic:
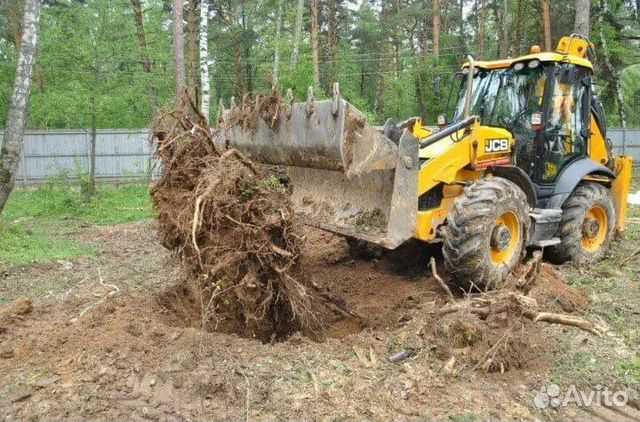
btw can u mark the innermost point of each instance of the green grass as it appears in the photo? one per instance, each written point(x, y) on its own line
point(20, 245)
point(35, 224)
point(109, 205)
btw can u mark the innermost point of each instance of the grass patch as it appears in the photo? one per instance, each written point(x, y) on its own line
point(35, 222)
point(20, 245)
point(109, 205)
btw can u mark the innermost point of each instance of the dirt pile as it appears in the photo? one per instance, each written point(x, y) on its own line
point(500, 330)
point(232, 225)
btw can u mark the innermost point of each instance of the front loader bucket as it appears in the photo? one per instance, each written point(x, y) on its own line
point(346, 176)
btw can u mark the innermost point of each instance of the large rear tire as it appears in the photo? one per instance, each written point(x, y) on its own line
point(587, 226)
point(486, 233)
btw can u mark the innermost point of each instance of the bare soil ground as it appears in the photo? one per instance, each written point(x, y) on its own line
point(108, 339)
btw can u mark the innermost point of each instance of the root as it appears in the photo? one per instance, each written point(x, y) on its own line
point(232, 224)
point(519, 305)
point(114, 291)
point(441, 282)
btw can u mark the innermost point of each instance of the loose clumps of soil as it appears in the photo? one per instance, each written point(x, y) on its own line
point(264, 107)
point(233, 227)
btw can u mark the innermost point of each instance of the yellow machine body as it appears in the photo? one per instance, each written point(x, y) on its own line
point(459, 159)
point(367, 183)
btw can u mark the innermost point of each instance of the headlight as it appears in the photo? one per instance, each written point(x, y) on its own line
point(532, 64)
point(518, 66)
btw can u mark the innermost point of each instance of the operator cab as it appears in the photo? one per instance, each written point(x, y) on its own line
point(543, 100)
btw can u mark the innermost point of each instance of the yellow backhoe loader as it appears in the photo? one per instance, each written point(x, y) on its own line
point(523, 161)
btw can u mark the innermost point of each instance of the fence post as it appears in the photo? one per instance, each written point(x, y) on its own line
point(23, 163)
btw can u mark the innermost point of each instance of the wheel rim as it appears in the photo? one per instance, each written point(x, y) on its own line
point(594, 228)
point(505, 238)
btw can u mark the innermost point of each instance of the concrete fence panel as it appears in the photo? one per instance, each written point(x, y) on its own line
point(125, 155)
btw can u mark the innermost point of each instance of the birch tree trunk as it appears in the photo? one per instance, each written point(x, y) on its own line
point(546, 24)
point(315, 54)
point(178, 45)
point(583, 10)
point(604, 9)
point(205, 98)
point(297, 34)
point(276, 53)
point(147, 63)
point(16, 120)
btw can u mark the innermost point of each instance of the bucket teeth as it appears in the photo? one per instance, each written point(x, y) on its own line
point(221, 110)
point(335, 101)
point(289, 102)
point(310, 101)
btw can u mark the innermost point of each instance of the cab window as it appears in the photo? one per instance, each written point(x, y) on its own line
point(566, 118)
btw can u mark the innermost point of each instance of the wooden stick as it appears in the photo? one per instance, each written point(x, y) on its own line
point(439, 280)
point(511, 302)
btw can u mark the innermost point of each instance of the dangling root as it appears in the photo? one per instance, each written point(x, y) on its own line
point(233, 227)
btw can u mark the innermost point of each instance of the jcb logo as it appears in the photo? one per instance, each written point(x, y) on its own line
point(496, 145)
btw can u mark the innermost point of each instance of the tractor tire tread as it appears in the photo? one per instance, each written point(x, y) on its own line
point(586, 195)
point(465, 245)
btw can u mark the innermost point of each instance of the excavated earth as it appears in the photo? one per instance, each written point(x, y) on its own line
point(113, 338)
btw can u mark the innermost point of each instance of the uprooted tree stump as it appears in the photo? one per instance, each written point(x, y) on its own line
point(233, 227)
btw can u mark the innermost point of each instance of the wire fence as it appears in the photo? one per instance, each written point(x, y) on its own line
point(126, 155)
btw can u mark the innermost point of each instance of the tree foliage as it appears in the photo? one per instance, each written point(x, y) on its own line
point(381, 52)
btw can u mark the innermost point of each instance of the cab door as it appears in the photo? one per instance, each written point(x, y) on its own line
point(565, 122)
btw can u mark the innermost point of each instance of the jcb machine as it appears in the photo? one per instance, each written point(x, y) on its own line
point(523, 161)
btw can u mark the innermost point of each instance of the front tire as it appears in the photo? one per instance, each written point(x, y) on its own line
point(587, 226)
point(486, 234)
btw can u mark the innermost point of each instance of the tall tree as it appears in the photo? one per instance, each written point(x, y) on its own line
point(297, 33)
point(504, 39)
point(332, 44)
point(145, 60)
point(546, 24)
point(276, 54)
point(178, 45)
point(205, 97)
point(13, 144)
point(192, 48)
point(436, 27)
point(482, 28)
point(614, 76)
point(314, 7)
point(382, 60)
point(581, 24)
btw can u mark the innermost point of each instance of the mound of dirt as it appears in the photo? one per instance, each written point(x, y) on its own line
point(552, 290)
point(497, 344)
point(232, 225)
